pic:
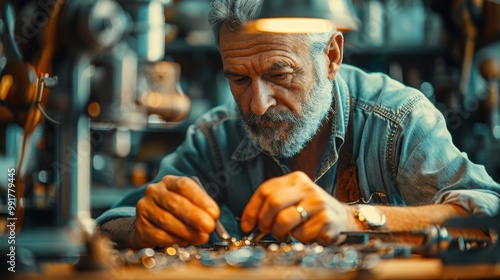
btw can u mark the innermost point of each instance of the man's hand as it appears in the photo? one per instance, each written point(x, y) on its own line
point(273, 207)
point(174, 211)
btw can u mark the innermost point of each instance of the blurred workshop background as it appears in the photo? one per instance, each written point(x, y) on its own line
point(450, 50)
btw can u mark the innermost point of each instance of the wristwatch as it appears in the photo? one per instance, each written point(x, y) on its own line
point(370, 216)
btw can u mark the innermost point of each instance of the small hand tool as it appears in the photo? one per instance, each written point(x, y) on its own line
point(219, 227)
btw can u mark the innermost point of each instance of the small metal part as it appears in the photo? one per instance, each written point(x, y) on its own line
point(171, 251)
point(273, 247)
point(146, 256)
point(285, 247)
point(130, 257)
point(298, 247)
point(356, 237)
point(212, 258)
point(245, 256)
point(184, 256)
point(223, 245)
point(255, 236)
point(148, 262)
point(221, 231)
point(236, 254)
point(219, 227)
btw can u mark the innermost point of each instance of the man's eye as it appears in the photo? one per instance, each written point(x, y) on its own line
point(281, 76)
point(241, 80)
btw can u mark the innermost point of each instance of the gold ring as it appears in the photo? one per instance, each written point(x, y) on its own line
point(302, 212)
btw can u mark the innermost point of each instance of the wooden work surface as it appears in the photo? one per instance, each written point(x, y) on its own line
point(413, 268)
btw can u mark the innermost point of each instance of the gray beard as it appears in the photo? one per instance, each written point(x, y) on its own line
point(288, 140)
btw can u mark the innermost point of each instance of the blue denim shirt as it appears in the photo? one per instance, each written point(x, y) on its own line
point(401, 145)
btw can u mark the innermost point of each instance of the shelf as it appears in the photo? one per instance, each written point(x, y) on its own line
point(180, 45)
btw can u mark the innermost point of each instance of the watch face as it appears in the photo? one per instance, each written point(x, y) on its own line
point(372, 215)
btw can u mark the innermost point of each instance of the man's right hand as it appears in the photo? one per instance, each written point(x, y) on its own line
point(174, 211)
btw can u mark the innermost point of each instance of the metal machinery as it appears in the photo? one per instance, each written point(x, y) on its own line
point(91, 55)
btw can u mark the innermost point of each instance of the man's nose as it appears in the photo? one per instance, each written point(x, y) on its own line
point(262, 97)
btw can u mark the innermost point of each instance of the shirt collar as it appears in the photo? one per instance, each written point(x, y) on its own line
point(341, 108)
point(247, 150)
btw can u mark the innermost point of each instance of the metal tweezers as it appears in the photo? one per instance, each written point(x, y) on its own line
point(255, 236)
point(219, 227)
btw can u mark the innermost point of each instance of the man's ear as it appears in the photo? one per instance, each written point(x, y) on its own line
point(334, 51)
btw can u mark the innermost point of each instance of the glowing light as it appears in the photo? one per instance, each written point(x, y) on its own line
point(291, 25)
point(496, 132)
point(94, 109)
point(154, 99)
point(98, 162)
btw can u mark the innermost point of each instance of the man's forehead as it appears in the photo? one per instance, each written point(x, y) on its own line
point(240, 46)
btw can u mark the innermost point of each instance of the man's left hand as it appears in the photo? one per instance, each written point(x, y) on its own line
point(278, 207)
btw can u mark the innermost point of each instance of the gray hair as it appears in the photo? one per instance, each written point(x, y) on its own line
point(237, 12)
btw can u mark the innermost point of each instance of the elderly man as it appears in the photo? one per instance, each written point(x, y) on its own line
point(308, 148)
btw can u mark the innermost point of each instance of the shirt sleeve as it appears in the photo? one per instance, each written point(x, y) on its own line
point(432, 170)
